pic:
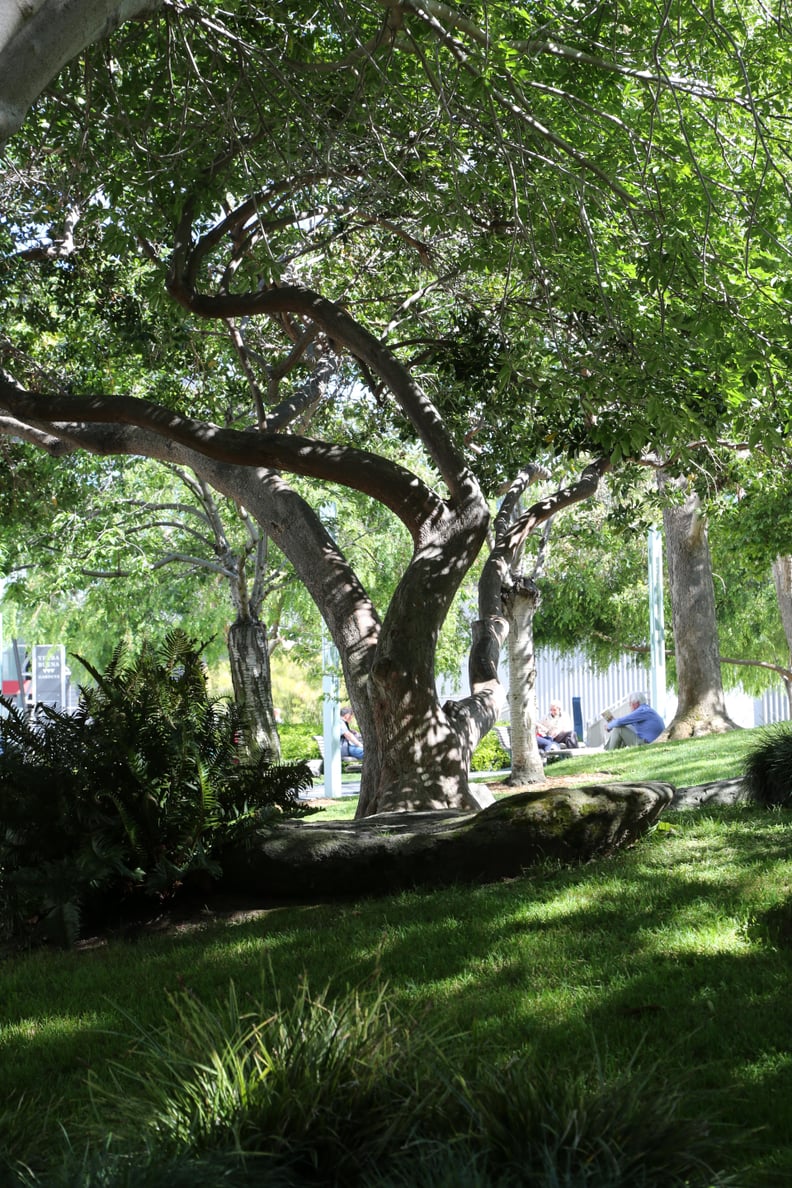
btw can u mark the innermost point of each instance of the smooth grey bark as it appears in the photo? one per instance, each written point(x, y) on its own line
point(502, 590)
point(782, 579)
point(701, 707)
point(38, 38)
point(521, 599)
point(521, 603)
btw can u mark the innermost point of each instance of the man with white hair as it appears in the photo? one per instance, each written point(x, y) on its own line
point(642, 725)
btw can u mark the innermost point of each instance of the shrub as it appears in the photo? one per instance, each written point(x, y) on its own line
point(297, 741)
point(489, 755)
point(767, 771)
point(321, 1088)
point(138, 791)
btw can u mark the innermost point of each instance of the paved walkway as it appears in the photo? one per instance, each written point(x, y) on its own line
point(352, 787)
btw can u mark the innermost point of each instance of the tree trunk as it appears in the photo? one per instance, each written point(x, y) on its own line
point(250, 674)
point(520, 607)
point(416, 752)
point(701, 707)
point(364, 857)
point(782, 577)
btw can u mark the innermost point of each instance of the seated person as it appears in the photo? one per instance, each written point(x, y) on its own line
point(557, 726)
point(543, 741)
point(642, 725)
point(351, 742)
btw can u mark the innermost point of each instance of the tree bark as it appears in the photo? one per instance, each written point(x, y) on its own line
point(426, 764)
point(521, 604)
point(782, 579)
point(394, 851)
point(701, 707)
point(38, 38)
point(248, 653)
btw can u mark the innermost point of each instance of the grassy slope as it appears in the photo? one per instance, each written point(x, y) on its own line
point(661, 951)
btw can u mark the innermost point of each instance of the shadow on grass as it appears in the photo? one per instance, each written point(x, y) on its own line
point(654, 951)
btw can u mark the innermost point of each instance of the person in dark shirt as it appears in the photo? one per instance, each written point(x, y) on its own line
point(351, 742)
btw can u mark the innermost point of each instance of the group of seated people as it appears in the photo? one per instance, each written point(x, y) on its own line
point(555, 732)
point(641, 725)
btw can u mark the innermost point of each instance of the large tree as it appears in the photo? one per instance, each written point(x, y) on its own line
point(491, 239)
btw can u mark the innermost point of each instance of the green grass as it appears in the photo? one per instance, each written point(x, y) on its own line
point(693, 761)
point(684, 764)
point(668, 958)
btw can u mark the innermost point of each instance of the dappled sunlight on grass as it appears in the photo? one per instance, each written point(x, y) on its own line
point(652, 951)
point(682, 763)
point(693, 936)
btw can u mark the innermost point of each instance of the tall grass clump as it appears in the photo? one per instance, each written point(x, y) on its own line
point(133, 795)
point(317, 1092)
point(768, 768)
point(319, 1088)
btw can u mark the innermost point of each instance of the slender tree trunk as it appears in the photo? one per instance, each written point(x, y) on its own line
point(520, 606)
point(248, 654)
point(701, 707)
point(782, 577)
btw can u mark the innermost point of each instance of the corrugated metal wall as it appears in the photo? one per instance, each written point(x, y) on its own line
point(561, 678)
point(564, 677)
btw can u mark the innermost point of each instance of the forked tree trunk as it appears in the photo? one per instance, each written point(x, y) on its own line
point(701, 707)
point(250, 675)
point(520, 606)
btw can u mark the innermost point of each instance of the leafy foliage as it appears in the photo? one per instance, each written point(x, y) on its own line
point(350, 1092)
point(768, 768)
point(489, 755)
point(135, 793)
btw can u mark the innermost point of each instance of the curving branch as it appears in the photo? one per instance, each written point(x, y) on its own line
point(38, 38)
point(397, 488)
point(342, 328)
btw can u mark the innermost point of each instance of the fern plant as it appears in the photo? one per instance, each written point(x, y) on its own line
point(136, 792)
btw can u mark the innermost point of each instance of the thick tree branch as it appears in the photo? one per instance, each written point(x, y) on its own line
point(394, 486)
point(39, 37)
point(342, 328)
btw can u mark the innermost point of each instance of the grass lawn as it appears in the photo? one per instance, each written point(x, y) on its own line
point(675, 956)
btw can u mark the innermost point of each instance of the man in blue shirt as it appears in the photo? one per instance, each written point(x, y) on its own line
point(642, 725)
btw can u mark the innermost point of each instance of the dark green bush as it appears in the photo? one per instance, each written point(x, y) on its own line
point(139, 791)
point(767, 771)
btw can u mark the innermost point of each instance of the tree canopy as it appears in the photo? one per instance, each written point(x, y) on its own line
point(262, 245)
